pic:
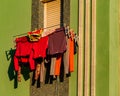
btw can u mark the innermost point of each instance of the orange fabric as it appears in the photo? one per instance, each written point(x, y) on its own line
point(37, 71)
point(57, 65)
point(19, 74)
point(71, 55)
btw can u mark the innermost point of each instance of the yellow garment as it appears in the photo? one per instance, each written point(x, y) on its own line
point(35, 35)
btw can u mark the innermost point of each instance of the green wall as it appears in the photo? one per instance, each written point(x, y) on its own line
point(107, 48)
point(15, 18)
point(114, 48)
point(102, 48)
point(74, 26)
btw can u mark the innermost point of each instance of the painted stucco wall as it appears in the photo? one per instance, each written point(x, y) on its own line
point(114, 49)
point(102, 48)
point(107, 48)
point(74, 26)
point(15, 18)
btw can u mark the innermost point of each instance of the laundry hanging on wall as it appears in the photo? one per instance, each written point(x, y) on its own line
point(41, 48)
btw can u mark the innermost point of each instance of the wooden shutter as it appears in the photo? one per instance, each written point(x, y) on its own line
point(52, 14)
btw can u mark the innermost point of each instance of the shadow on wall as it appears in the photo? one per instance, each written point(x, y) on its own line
point(12, 74)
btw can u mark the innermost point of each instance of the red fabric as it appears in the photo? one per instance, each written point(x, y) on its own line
point(16, 63)
point(23, 46)
point(31, 61)
point(28, 51)
point(23, 49)
point(39, 47)
point(24, 59)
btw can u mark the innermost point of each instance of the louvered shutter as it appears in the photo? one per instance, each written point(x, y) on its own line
point(52, 14)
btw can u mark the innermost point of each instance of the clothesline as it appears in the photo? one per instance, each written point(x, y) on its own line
point(42, 28)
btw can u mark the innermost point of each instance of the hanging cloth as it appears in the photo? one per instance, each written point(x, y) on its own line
point(71, 52)
point(57, 42)
point(40, 47)
point(35, 35)
point(23, 53)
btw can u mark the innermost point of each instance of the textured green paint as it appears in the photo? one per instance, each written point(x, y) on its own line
point(114, 49)
point(102, 48)
point(15, 18)
point(74, 26)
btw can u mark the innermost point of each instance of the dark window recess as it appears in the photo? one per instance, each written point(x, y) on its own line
point(45, 1)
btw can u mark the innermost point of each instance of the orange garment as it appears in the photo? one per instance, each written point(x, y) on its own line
point(71, 55)
point(58, 65)
point(19, 74)
point(37, 71)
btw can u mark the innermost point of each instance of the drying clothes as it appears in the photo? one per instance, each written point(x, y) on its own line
point(76, 43)
point(23, 53)
point(52, 66)
point(42, 72)
point(48, 32)
point(52, 47)
point(23, 46)
point(35, 35)
point(19, 74)
point(55, 64)
point(57, 42)
point(58, 65)
point(66, 57)
point(39, 71)
point(40, 47)
point(24, 59)
point(71, 54)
